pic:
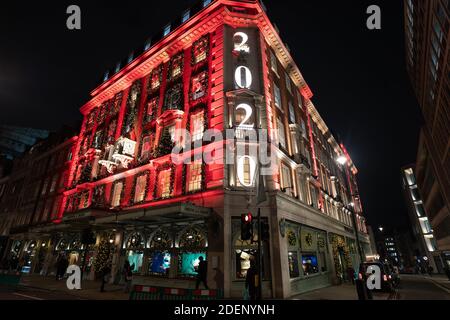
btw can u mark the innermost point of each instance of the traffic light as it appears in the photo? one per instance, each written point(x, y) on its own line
point(246, 226)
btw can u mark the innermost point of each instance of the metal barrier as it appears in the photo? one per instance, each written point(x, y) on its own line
point(160, 293)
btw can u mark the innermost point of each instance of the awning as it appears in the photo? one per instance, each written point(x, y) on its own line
point(157, 215)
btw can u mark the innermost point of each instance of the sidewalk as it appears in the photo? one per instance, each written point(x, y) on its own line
point(90, 290)
point(342, 292)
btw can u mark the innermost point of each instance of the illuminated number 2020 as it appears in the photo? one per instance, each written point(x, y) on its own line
point(241, 46)
point(243, 77)
point(248, 113)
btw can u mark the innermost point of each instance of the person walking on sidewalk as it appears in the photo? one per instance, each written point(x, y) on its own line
point(351, 275)
point(251, 282)
point(202, 272)
point(128, 276)
point(106, 273)
point(430, 271)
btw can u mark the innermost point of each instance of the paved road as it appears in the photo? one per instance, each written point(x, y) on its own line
point(416, 287)
point(22, 293)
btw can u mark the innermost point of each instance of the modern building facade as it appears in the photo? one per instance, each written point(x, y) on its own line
point(427, 42)
point(221, 68)
point(422, 229)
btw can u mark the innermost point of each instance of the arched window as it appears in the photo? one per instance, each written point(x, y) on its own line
point(192, 247)
point(160, 257)
point(135, 246)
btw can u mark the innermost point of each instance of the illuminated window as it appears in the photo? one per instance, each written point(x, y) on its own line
point(147, 143)
point(155, 78)
point(273, 62)
point(171, 130)
point(141, 186)
point(186, 16)
point(176, 66)
point(277, 93)
point(281, 133)
point(197, 126)
point(247, 171)
point(288, 83)
point(152, 110)
point(164, 183)
point(291, 113)
point(199, 85)
point(167, 30)
point(117, 194)
point(286, 180)
point(194, 177)
point(200, 50)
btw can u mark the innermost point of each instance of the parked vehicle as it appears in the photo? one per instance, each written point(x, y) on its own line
point(387, 284)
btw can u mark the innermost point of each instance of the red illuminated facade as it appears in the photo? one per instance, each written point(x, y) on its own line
point(223, 68)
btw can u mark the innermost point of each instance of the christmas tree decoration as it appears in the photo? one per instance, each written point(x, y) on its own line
point(165, 145)
point(103, 256)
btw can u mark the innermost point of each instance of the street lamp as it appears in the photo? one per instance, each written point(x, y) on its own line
point(381, 229)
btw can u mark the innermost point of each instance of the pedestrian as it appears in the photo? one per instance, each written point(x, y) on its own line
point(430, 271)
point(351, 274)
point(202, 272)
point(106, 271)
point(64, 266)
point(251, 280)
point(128, 276)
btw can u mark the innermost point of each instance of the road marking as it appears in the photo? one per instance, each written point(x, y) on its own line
point(26, 296)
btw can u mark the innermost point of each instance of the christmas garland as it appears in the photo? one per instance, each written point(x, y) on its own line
point(195, 244)
point(339, 242)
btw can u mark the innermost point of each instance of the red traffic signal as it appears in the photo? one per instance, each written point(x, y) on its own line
point(246, 227)
point(247, 218)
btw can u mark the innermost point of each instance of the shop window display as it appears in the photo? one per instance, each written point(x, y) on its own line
point(310, 264)
point(192, 246)
point(135, 251)
point(294, 271)
point(307, 251)
point(159, 263)
point(135, 258)
point(160, 257)
point(189, 262)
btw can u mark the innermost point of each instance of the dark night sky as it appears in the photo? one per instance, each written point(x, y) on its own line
point(358, 76)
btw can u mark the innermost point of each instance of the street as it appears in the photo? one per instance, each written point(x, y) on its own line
point(417, 287)
point(412, 287)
